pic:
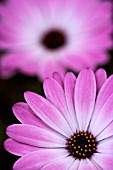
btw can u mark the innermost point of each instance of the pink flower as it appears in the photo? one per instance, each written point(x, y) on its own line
point(70, 129)
point(42, 36)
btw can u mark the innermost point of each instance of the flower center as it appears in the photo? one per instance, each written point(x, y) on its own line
point(54, 39)
point(81, 145)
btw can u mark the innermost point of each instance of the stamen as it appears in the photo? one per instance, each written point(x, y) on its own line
point(81, 145)
point(53, 39)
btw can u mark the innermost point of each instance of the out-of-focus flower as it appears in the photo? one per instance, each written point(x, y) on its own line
point(72, 128)
point(45, 36)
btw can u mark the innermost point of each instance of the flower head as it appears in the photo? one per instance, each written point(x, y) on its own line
point(62, 34)
point(72, 128)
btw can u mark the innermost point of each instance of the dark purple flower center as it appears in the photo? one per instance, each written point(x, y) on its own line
point(53, 39)
point(81, 145)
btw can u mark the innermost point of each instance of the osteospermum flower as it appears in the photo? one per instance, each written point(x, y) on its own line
point(45, 36)
point(70, 129)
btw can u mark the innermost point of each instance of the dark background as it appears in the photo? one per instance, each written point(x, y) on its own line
point(11, 91)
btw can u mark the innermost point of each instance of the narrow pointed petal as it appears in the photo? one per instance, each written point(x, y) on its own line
point(25, 115)
point(55, 94)
point(69, 87)
point(106, 146)
point(19, 149)
point(101, 77)
point(87, 165)
point(85, 93)
point(105, 161)
point(62, 164)
point(48, 113)
point(59, 78)
point(105, 92)
point(105, 116)
point(75, 165)
point(106, 133)
point(38, 159)
point(34, 136)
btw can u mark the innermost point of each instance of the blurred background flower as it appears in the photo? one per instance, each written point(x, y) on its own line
point(45, 36)
point(11, 91)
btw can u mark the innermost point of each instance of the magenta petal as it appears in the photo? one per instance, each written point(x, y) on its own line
point(35, 136)
point(86, 164)
point(38, 159)
point(55, 94)
point(48, 113)
point(69, 87)
point(106, 133)
point(105, 161)
point(59, 78)
point(106, 146)
point(85, 93)
point(19, 149)
point(25, 115)
point(105, 116)
point(101, 77)
point(60, 164)
point(105, 92)
point(75, 165)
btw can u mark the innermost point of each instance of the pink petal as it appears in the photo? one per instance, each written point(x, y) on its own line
point(75, 165)
point(25, 115)
point(106, 146)
point(105, 116)
point(105, 92)
point(69, 87)
point(59, 78)
point(47, 69)
point(107, 132)
point(101, 77)
point(85, 93)
point(19, 149)
point(61, 164)
point(38, 159)
point(35, 136)
point(86, 164)
point(55, 94)
point(48, 113)
point(105, 161)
